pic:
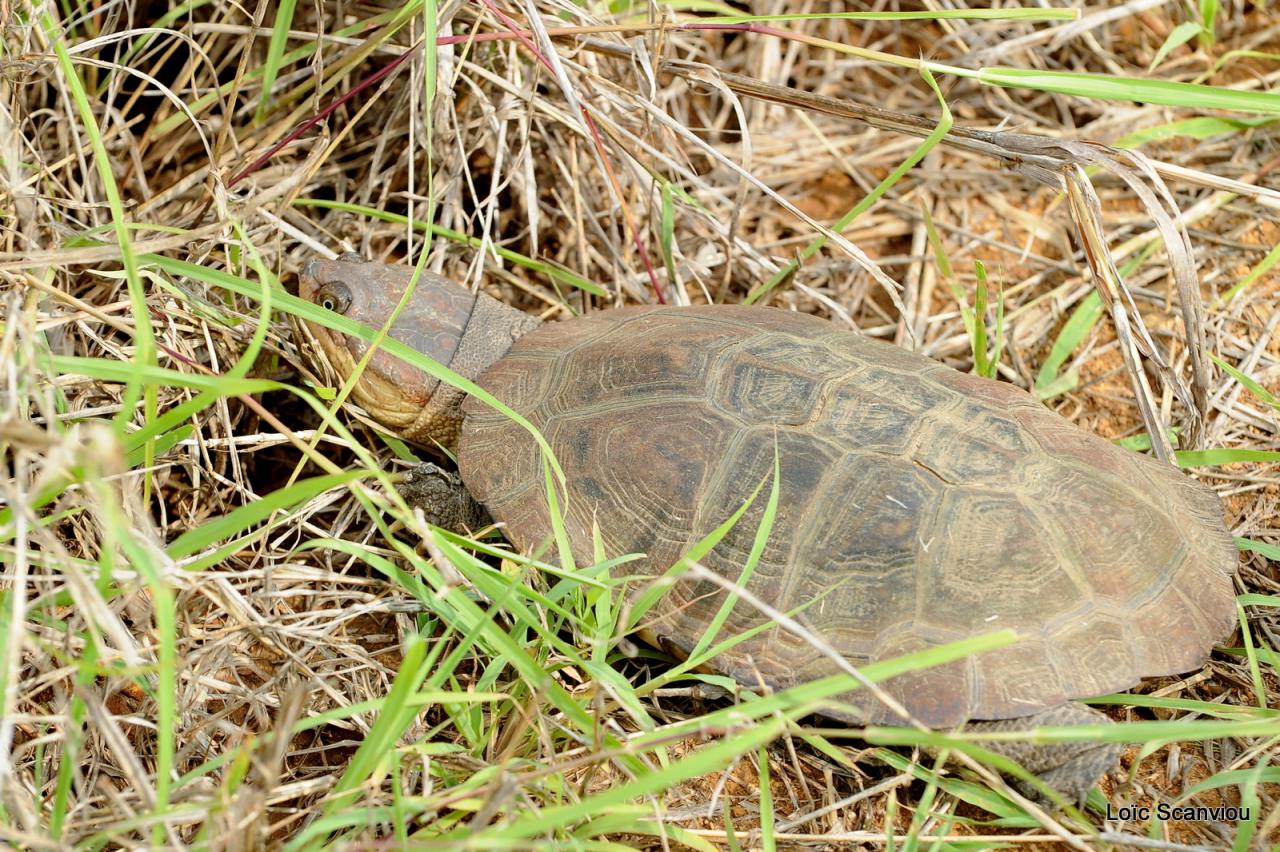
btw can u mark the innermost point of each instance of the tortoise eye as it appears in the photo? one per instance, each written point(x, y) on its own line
point(334, 297)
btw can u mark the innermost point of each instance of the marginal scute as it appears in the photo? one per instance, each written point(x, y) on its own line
point(939, 696)
point(1197, 499)
point(879, 354)
point(497, 467)
point(985, 392)
point(1014, 676)
point(917, 506)
point(1179, 617)
point(500, 461)
point(1059, 438)
point(1087, 651)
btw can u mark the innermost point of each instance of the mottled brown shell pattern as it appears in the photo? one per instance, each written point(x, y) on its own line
point(918, 505)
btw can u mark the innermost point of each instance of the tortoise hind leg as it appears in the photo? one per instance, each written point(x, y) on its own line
point(443, 499)
point(1071, 768)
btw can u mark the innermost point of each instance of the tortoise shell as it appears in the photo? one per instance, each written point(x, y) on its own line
point(917, 506)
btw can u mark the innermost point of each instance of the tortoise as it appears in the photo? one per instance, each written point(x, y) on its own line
point(918, 505)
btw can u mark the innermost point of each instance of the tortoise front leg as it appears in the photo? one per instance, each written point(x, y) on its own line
point(443, 499)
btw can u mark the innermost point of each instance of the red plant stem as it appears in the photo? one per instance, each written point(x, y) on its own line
point(510, 35)
point(526, 39)
point(320, 116)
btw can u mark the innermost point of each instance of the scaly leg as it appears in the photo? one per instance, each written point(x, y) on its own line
point(443, 499)
point(1070, 768)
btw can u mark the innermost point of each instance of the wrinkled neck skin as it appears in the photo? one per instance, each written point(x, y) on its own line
point(464, 331)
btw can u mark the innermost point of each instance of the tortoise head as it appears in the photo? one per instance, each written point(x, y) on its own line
point(434, 322)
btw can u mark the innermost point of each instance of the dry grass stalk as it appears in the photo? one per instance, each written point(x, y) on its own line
point(602, 149)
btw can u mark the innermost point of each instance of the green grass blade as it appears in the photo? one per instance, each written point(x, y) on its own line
point(1263, 267)
point(748, 568)
point(1198, 128)
point(144, 335)
point(397, 713)
point(926, 145)
point(1180, 35)
point(275, 54)
point(238, 521)
point(767, 841)
point(1249, 382)
point(1270, 551)
point(1049, 383)
point(1107, 87)
point(1205, 458)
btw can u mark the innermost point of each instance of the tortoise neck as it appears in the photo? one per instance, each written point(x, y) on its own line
point(490, 330)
